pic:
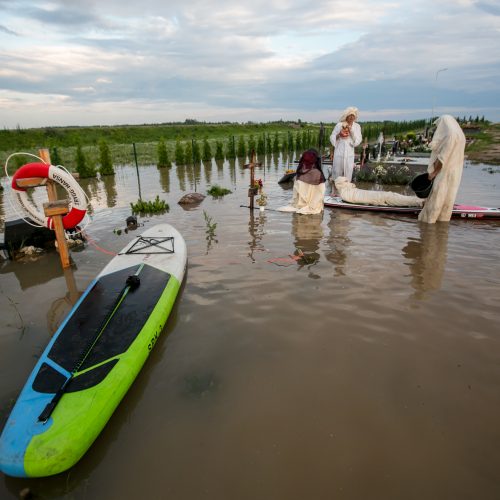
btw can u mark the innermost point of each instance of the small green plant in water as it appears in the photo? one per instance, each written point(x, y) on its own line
point(210, 230)
point(217, 191)
point(150, 207)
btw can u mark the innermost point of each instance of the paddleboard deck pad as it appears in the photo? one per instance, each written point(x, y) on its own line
point(95, 355)
point(459, 211)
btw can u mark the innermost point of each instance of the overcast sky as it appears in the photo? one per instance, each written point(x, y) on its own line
point(86, 62)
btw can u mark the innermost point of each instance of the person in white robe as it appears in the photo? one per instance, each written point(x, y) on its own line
point(346, 135)
point(309, 186)
point(445, 167)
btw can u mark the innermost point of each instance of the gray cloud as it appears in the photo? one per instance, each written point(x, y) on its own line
point(3, 29)
point(489, 7)
point(260, 58)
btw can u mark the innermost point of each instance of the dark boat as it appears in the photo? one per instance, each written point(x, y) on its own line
point(288, 177)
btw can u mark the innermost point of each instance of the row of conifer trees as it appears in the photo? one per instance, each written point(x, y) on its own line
point(192, 151)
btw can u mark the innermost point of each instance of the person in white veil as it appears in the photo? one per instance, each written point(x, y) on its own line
point(345, 136)
point(445, 167)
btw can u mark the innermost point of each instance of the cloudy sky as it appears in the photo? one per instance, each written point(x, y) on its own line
point(83, 62)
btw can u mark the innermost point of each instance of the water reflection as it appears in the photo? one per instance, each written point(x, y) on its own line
point(338, 241)
point(181, 176)
point(308, 232)
point(256, 231)
point(219, 164)
point(109, 184)
point(427, 258)
point(207, 167)
point(48, 268)
point(193, 173)
point(165, 179)
point(61, 307)
point(232, 172)
point(91, 187)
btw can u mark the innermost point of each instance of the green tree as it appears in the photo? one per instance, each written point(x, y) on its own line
point(219, 150)
point(241, 147)
point(269, 144)
point(261, 145)
point(304, 142)
point(196, 151)
point(84, 168)
point(298, 142)
point(179, 153)
point(207, 150)
point(163, 159)
point(251, 144)
point(276, 143)
point(55, 159)
point(106, 165)
point(188, 153)
point(231, 147)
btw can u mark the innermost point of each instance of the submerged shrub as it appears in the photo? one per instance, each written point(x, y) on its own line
point(163, 159)
point(106, 167)
point(150, 207)
point(218, 191)
point(83, 166)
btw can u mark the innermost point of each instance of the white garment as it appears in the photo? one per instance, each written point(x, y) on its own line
point(307, 198)
point(343, 156)
point(350, 193)
point(447, 146)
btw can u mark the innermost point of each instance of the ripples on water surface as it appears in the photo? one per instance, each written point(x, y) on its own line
point(368, 369)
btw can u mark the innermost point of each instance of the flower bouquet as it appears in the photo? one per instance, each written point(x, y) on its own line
point(256, 187)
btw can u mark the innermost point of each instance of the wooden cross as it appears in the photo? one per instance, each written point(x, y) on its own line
point(253, 163)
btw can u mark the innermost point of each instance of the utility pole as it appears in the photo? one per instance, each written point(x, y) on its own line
point(434, 91)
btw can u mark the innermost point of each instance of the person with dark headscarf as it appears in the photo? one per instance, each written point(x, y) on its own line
point(309, 185)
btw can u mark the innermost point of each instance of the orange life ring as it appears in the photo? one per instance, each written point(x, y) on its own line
point(77, 196)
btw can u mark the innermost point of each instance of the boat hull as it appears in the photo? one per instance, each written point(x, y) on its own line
point(459, 211)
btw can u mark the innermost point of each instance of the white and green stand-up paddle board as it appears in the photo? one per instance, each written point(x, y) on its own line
point(94, 356)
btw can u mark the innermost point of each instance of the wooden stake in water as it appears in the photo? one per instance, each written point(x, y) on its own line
point(194, 169)
point(137, 170)
point(251, 191)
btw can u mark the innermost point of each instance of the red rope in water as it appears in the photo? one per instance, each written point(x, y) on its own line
point(97, 247)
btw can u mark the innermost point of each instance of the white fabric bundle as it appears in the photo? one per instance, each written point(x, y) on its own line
point(351, 194)
point(307, 198)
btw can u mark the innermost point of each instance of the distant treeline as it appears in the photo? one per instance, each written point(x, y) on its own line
point(19, 138)
point(89, 150)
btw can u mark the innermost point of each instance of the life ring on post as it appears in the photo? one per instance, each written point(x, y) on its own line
point(76, 194)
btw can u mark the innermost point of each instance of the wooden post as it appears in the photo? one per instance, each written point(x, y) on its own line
point(251, 166)
point(74, 294)
point(252, 180)
point(56, 210)
point(51, 189)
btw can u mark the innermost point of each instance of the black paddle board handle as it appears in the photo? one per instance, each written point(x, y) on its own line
point(47, 411)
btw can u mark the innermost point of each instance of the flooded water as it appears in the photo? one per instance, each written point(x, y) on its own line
point(367, 369)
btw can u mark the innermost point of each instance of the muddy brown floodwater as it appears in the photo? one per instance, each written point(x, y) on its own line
point(368, 369)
